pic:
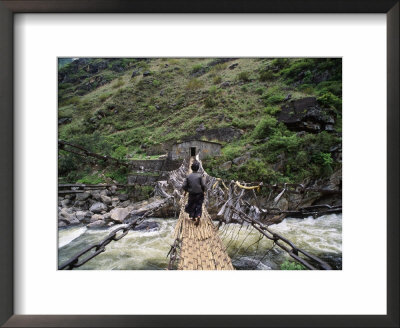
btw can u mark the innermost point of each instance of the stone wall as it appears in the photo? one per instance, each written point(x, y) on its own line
point(155, 165)
point(205, 148)
point(143, 180)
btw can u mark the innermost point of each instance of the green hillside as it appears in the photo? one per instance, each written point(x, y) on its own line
point(136, 108)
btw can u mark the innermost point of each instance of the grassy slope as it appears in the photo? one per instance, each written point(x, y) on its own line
point(133, 117)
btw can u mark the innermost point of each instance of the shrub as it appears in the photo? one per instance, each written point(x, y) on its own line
point(282, 142)
point(334, 87)
point(120, 152)
point(272, 110)
point(70, 101)
point(213, 90)
point(244, 76)
point(328, 99)
point(265, 127)
point(119, 175)
point(196, 68)
point(289, 265)
point(156, 83)
point(266, 76)
point(274, 95)
point(274, 99)
point(279, 63)
point(194, 84)
point(260, 91)
point(209, 102)
point(118, 84)
point(296, 67)
point(220, 66)
point(91, 179)
point(103, 97)
point(255, 170)
point(306, 88)
point(217, 79)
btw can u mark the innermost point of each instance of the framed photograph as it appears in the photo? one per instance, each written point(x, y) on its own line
point(184, 165)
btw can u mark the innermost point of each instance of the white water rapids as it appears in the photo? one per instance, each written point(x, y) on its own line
point(147, 249)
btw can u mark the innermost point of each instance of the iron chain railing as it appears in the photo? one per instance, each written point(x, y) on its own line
point(293, 251)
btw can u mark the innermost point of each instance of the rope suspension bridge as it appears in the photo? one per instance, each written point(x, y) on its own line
point(205, 246)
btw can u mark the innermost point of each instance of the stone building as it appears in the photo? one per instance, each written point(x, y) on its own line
point(193, 147)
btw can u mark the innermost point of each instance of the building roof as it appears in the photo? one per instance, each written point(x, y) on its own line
point(198, 140)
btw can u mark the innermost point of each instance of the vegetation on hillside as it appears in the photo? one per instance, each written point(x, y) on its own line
point(134, 107)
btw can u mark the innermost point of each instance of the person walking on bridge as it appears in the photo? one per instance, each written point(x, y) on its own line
point(195, 185)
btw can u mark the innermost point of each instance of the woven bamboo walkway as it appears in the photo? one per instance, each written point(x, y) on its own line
point(201, 248)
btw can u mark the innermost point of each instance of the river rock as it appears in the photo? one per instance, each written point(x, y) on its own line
point(96, 217)
point(105, 192)
point(61, 224)
point(226, 165)
point(119, 214)
point(98, 207)
point(107, 216)
point(70, 196)
point(114, 201)
point(83, 196)
point(148, 226)
point(65, 203)
point(69, 219)
point(123, 197)
point(65, 211)
point(125, 204)
point(106, 200)
point(113, 189)
point(241, 160)
point(81, 204)
point(96, 195)
point(97, 224)
point(83, 215)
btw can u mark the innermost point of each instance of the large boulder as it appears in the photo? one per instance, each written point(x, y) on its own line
point(119, 214)
point(96, 195)
point(68, 218)
point(123, 197)
point(97, 224)
point(306, 115)
point(113, 189)
point(83, 216)
point(106, 200)
point(114, 201)
point(96, 217)
point(125, 203)
point(98, 207)
point(105, 192)
point(65, 203)
point(81, 204)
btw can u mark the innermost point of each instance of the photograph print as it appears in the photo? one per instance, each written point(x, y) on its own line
point(199, 163)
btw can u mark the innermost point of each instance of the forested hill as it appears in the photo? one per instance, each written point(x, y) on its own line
point(279, 120)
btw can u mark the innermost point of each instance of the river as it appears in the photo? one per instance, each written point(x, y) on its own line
point(147, 250)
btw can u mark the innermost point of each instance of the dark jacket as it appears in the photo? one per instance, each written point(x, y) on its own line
point(194, 183)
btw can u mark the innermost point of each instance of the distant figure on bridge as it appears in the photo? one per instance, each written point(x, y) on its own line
point(196, 186)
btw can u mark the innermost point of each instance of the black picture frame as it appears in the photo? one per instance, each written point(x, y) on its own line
point(10, 7)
